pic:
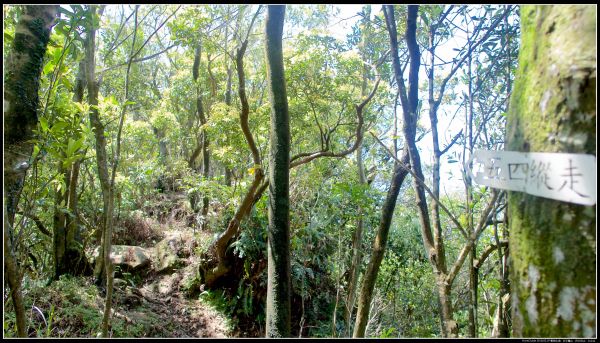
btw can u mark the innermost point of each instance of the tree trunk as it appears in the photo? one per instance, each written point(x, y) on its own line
point(449, 326)
point(379, 245)
point(473, 286)
point(228, 170)
point(59, 234)
point(553, 109)
point(204, 138)
point(22, 79)
point(278, 243)
point(356, 251)
point(214, 264)
point(104, 270)
point(409, 100)
point(68, 256)
point(357, 237)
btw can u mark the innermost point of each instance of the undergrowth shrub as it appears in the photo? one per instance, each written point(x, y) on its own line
point(71, 307)
point(135, 229)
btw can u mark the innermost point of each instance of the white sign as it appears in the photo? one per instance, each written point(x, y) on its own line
point(559, 176)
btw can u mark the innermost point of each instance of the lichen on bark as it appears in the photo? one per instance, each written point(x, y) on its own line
point(553, 109)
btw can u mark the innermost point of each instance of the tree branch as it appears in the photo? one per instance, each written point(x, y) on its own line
point(467, 248)
point(451, 143)
point(37, 222)
point(141, 59)
point(488, 250)
point(456, 222)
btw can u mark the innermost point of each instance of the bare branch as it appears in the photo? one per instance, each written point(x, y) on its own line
point(451, 143)
point(359, 135)
point(37, 222)
point(469, 51)
point(488, 250)
point(456, 222)
point(475, 235)
point(141, 59)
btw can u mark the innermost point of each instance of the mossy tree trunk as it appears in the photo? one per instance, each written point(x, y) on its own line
point(553, 109)
point(21, 84)
point(278, 242)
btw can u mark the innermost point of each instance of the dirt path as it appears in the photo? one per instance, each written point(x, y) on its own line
point(162, 294)
point(179, 316)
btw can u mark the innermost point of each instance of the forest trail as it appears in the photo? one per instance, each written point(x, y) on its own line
point(161, 290)
point(179, 316)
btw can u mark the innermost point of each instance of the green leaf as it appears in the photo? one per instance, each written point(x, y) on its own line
point(56, 55)
point(44, 124)
point(7, 36)
point(69, 161)
point(73, 146)
point(59, 126)
point(65, 11)
point(80, 107)
point(36, 151)
point(67, 83)
point(48, 68)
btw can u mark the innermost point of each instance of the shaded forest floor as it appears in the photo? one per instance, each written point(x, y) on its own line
point(158, 300)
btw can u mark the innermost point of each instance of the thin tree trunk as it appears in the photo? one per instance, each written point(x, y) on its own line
point(68, 256)
point(409, 157)
point(472, 308)
point(105, 269)
point(357, 237)
point(278, 243)
point(22, 78)
point(444, 292)
point(500, 324)
point(228, 93)
point(379, 245)
point(59, 234)
point(409, 101)
point(204, 140)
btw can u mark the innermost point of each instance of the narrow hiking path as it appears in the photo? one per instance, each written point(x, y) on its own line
point(162, 288)
point(179, 316)
point(156, 290)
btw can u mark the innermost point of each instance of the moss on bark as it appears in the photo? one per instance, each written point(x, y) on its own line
point(553, 109)
point(278, 244)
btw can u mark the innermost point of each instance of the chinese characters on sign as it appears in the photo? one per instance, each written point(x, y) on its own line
point(565, 177)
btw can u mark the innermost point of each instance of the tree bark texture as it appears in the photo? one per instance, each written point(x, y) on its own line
point(21, 85)
point(278, 241)
point(553, 109)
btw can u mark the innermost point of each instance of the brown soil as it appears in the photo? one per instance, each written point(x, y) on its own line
point(162, 295)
